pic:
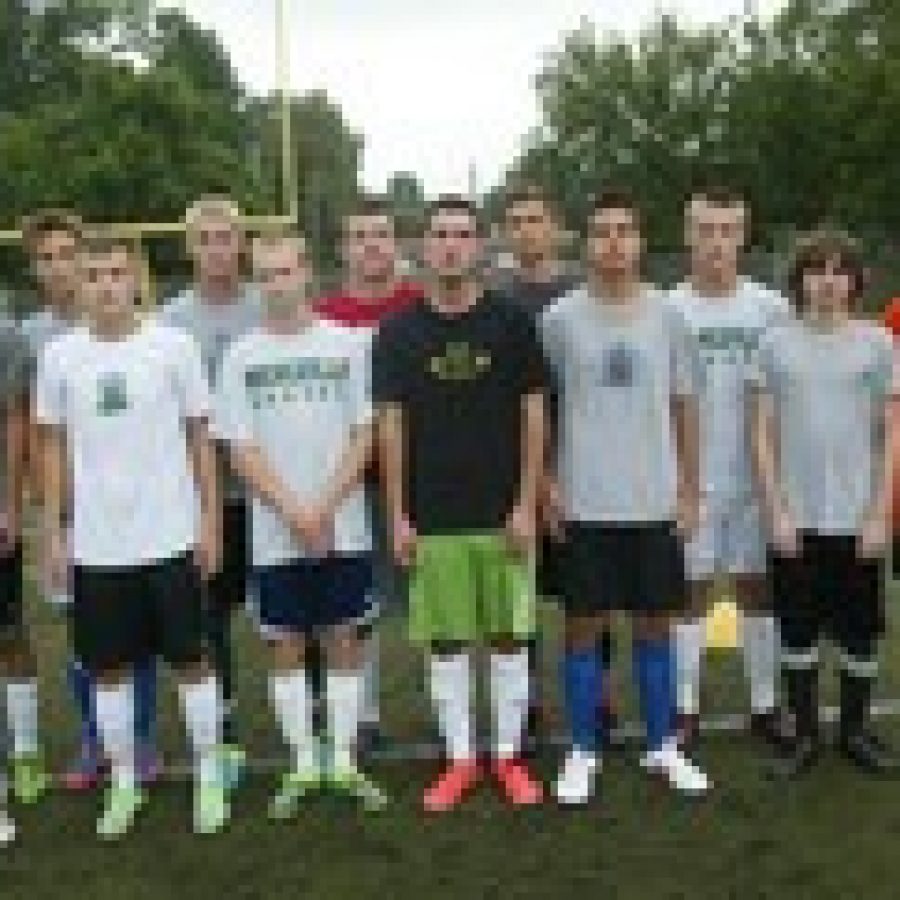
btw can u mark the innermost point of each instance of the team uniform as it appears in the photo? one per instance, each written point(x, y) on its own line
point(298, 398)
point(892, 323)
point(365, 314)
point(618, 372)
point(730, 538)
point(214, 326)
point(460, 381)
point(41, 328)
point(122, 405)
point(830, 389)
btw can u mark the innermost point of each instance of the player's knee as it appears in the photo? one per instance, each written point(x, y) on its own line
point(288, 652)
point(582, 632)
point(344, 648)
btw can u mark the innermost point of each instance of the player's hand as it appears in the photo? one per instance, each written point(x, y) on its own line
point(208, 552)
point(55, 562)
point(687, 513)
point(521, 530)
point(403, 541)
point(320, 530)
point(784, 533)
point(873, 537)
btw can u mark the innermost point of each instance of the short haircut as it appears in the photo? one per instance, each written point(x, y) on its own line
point(813, 251)
point(529, 192)
point(454, 203)
point(104, 244)
point(212, 206)
point(614, 197)
point(716, 194)
point(279, 235)
point(370, 206)
point(46, 221)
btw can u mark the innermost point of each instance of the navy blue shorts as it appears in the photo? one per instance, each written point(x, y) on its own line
point(309, 596)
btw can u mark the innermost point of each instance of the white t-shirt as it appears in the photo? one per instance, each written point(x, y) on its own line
point(727, 331)
point(297, 397)
point(123, 405)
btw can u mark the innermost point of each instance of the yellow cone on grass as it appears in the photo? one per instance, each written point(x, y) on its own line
point(723, 624)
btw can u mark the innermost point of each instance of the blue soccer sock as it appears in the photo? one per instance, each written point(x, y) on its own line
point(145, 702)
point(582, 679)
point(653, 670)
point(81, 684)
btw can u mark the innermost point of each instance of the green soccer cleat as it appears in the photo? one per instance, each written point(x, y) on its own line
point(294, 787)
point(358, 785)
point(30, 778)
point(234, 761)
point(122, 806)
point(211, 808)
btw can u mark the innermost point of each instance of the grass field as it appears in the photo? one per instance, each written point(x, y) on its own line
point(834, 835)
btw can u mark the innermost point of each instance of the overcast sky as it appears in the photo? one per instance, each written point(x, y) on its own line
point(433, 85)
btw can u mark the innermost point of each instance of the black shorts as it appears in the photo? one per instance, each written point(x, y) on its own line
point(547, 572)
point(895, 558)
point(227, 590)
point(122, 617)
point(827, 590)
point(630, 568)
point(11, 593)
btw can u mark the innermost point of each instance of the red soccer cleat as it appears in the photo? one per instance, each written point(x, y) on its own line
point(518, 785)
point(449, 788)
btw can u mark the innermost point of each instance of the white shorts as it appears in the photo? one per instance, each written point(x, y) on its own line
point(729, 541)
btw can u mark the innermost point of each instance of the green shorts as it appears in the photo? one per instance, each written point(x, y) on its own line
point(468, 587)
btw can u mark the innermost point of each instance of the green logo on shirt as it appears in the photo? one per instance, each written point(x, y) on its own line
point(112, 394)
point(460, 362)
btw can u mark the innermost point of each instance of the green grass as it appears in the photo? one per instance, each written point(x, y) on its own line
point(832, 835)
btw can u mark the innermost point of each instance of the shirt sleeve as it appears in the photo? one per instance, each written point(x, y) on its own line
point(534, 370)
point(389, 366)
point(193, 388)
point(888, 366)
point(759, 374)
point(50, 393)
point(684, 359)
point(19, 366)
point(361, 384)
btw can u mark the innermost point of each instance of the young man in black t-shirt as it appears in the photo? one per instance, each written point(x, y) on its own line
point(461, 380)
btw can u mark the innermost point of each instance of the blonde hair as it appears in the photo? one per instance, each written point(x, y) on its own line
point(211, 206)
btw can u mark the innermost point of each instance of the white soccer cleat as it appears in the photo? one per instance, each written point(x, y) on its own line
point(575, 784)
point(669, 762)
point(7, 828)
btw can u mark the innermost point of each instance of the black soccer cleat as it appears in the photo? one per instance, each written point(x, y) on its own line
point(795, 757)
point(687, 731)
point(869, 754)
point(766, 728)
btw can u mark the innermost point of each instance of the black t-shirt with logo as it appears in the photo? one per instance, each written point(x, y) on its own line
point(461, 380)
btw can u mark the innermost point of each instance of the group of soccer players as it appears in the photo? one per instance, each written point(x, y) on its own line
point(469, 443)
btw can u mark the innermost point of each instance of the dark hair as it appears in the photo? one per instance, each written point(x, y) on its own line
point(528, 192)
point(451, 203)
point(370, 206)
point(615, 197)
point(717, 194)
point(104, 244)
point(814, 251)
point(46, 221)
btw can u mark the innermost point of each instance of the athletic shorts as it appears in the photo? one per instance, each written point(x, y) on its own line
point(634, 568)
point(895, 558)
point(309, 596)
point(121, 617)
point(11, 621)
point(227, 590)
point(827, 590)
point(469, 587)
point(730, 540)
point(548, 564)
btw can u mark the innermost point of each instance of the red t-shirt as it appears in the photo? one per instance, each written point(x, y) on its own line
point(365, 312)
point(892, 323)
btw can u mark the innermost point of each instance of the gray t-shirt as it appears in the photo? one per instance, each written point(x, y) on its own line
point(617, 373)
point(829, 390)
point(214, 326)
point(16, 374)
point(727, 331)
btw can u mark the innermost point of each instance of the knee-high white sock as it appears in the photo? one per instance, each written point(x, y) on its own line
point(690, 639)
point(345, 693)
point(760, 660)
point(201, 705)
point(509, 694)
point(371, 708)
point(291, 698)
point(451, 692)
point(114, 706)
point(22, 713)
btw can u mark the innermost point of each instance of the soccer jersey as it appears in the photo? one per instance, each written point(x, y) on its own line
point(617, 370)
point(345, 308)
point(16, 363)
point(830, 389)
point(460, 380)
point(297, 397)
point(727, 331)
point(535, 296)
point(214, 326)
point(123, 405)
